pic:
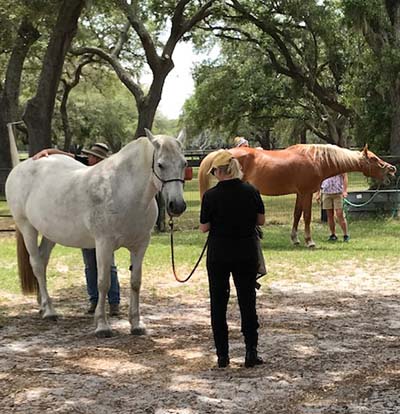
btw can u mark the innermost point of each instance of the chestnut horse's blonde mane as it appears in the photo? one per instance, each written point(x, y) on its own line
point(331, 154)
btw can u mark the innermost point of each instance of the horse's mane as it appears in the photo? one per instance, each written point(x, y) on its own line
point(332, 154)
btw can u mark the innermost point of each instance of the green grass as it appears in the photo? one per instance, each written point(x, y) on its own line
point(374, 244)
point(373, 241)
point(4, 210)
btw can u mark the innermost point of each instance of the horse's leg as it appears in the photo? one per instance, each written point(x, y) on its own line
point(45, 248)
point(137, 325)
point(104, 258)
point(307, 208)
point(298, 209)
point(39, 258)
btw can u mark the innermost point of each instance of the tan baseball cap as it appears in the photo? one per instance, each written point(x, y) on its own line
point(222, 158)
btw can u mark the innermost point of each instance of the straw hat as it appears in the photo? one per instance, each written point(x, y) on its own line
point(99, 150)
point(222, 158)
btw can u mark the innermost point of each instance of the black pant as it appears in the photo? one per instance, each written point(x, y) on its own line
point(244, 277)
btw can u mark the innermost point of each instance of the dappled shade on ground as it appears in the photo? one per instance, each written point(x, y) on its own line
point(331, 344)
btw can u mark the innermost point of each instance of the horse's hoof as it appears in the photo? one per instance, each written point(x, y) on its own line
point(105, 333)
point(138, 331)
point(294, 239)
point(311, 245)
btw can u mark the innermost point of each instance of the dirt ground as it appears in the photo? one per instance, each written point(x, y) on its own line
point(331, 346)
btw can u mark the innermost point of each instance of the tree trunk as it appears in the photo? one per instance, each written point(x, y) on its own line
point(148, 106)
point(39, 111)
point(303, 136)
point(395, 126)
point(9, 96)
point(146, 114)
point(338, 127)
point(264, 138)
point(65, 118)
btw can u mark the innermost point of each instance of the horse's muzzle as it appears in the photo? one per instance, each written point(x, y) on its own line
point(390, 173)
point(176, 208)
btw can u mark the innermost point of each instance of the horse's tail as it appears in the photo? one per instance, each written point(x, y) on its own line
point(204, 178)
point(29, 283)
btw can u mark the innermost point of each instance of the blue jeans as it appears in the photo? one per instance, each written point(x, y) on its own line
point(89, 258)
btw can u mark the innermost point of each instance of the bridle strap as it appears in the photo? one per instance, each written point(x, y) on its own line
point(171, 225)
point(161, 179)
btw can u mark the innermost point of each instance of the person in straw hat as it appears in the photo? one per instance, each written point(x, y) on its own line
point(240, 142)
point(230, 212)
point(95, 154)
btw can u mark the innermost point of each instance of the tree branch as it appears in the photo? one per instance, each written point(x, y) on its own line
point(123, 38)
point(122, 74)
point(292, 69)
point(130, 11)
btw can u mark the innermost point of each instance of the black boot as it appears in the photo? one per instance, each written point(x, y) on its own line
point(252, 358)
point(223, 361)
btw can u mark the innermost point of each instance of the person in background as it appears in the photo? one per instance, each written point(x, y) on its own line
point(333, 190)
point(230, 211)
point(240, 142)
point(95, 154)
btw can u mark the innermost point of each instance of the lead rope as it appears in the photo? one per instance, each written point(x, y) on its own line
point(171, 225)
point(377, 191)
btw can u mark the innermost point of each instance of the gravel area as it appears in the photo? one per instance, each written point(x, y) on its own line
point(331, 346)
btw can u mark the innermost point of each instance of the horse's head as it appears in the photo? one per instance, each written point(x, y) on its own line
point(374, 167)
point(169, 168)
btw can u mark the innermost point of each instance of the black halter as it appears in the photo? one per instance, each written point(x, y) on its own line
point(161, 179)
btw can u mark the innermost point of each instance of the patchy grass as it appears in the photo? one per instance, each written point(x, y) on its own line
point(374, 241)
point(4, 210)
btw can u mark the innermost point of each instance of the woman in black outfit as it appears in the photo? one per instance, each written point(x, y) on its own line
point(230, 211)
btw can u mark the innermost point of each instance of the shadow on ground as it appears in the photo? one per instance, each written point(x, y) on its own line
point(328, 349)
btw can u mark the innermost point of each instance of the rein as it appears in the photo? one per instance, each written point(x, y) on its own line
point(171, 225)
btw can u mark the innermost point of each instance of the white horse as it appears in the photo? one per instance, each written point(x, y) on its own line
point(106, 206)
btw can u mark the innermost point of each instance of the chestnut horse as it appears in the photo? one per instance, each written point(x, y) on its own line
point(299, 169)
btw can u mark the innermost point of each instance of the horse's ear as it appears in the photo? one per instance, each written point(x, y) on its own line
point(151, 137)
point(182, 136)
point(365, 150)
